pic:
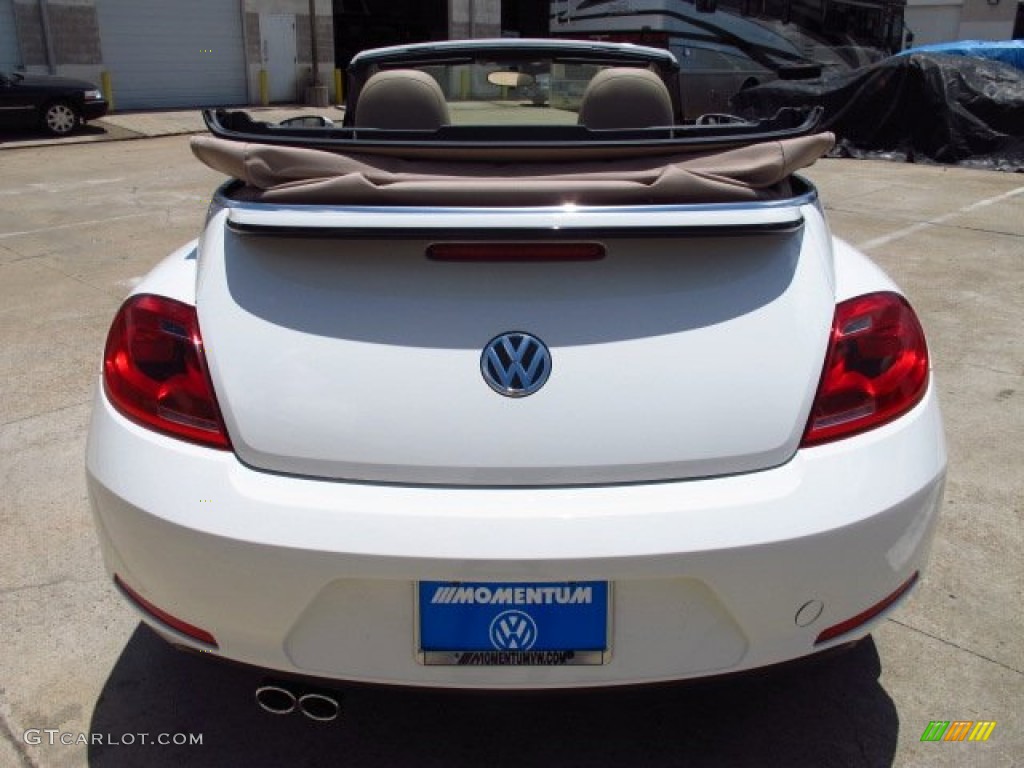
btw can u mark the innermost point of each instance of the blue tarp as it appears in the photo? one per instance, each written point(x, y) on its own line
point(1007, 51)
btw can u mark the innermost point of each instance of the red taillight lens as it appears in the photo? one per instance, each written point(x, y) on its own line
point(876, 368)
point(154, 370)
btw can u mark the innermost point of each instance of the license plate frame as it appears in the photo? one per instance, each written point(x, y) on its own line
point(498, 624)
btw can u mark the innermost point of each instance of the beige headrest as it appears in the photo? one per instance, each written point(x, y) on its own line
point(625, 97)
point(401, 98)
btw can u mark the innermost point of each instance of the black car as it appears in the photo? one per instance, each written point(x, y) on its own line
point(56, 104)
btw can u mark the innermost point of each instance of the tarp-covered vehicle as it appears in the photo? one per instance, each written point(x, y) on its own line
point(513, 380)
point(925, 107)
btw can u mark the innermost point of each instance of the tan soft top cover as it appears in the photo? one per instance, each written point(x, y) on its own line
point(292, 175)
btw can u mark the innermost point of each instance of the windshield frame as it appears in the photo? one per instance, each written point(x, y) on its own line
point(511, 51)
point(512, 142)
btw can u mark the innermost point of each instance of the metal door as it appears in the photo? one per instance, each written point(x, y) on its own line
point(280, 58)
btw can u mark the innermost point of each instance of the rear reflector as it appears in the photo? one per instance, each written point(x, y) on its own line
point(163, 617)
point(864, 617)
point(529, 252)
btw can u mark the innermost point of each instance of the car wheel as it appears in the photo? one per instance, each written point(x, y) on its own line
point(60, 118)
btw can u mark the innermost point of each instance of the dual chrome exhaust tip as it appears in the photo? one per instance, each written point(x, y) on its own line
point(276, 699)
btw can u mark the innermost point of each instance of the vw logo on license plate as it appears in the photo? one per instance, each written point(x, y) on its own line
point(513, 631)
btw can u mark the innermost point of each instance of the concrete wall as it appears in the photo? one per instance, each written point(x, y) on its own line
point(74, 38)
point(324, 41)
point(30, 36)
point(253, 54)
point(943, 21)
point(474, 18)
point(935, 21)
point(254, 9)
point(983, 21)
point(75, 43)
point(75, 48)
point(10, 48)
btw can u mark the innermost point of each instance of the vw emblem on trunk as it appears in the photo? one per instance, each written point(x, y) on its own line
point(513, 631)
point(515, 364)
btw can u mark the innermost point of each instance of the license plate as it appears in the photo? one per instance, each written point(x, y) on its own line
point(513, 624)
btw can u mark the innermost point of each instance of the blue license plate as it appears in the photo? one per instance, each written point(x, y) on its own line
point(499, 623)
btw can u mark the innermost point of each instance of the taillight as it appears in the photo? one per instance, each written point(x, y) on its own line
point(154, 371)
point(876, 368)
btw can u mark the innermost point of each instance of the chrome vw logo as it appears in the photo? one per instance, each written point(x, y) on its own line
point(513, 631)
point(515, 364)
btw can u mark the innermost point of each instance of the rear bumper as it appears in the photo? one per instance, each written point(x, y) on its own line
point(318, 578)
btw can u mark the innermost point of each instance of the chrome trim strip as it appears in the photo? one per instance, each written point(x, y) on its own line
point(771, 217)
point(370, 222)
point(508, 234)
point(555, 45)
point(222, 199)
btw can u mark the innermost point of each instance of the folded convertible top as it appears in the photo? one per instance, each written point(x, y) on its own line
point(292, 175)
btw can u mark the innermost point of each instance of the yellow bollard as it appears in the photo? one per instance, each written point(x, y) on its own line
point(464, 84)
point(339, 88)
point(264, 88)
point(108, 90)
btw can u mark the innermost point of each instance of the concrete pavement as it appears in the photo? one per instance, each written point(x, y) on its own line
point(120, 126)
point(80, 222)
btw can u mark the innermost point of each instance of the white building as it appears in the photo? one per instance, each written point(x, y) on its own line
point(190, 53)
point(942, 21)
point(169, 53)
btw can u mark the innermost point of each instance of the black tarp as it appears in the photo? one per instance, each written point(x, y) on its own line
point(918, 108)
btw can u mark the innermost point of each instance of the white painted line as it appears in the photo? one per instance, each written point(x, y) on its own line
point(913, 228)
point(75, 225)
point(130, 283)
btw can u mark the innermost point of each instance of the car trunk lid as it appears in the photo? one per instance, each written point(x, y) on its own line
point(340, 349)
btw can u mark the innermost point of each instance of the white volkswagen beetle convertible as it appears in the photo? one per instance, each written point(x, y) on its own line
point(514, 379)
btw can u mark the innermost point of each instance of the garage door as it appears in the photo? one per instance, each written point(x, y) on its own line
point(9, 58)
point(185, 53)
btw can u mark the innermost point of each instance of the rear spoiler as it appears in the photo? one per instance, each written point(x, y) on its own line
point(477, 225)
